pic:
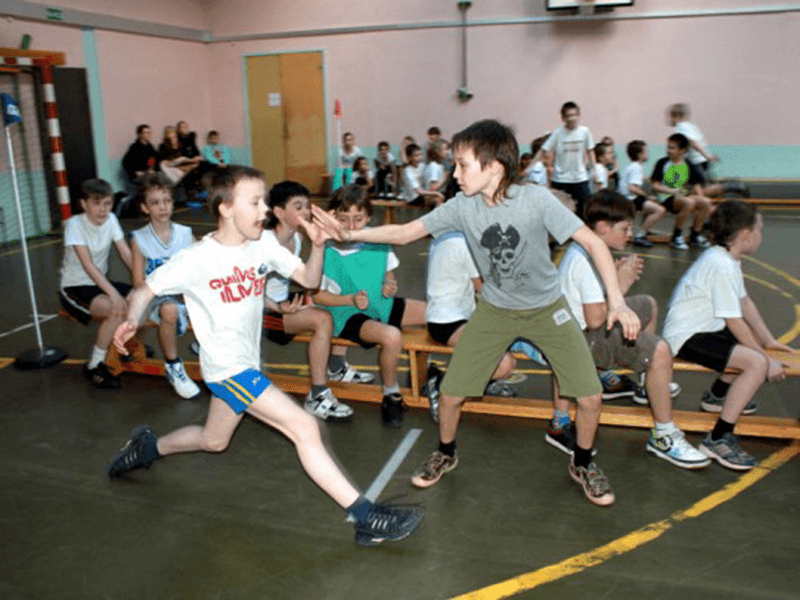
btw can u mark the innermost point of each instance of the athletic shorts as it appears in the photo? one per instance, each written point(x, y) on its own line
point(491, 330)
point(441, 332)
point(77, 299)
point(669, 205)
point(352, 329)
point(183, 314)
point(580, 192)
point(639, 201)
point(610, 348)
point(710, 349)
point(272, 324)
point(241, 390)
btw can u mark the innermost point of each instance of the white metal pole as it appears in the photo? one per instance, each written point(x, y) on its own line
point(24, 241)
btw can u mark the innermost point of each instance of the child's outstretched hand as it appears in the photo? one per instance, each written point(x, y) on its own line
point(776, 345)
point(776, 371)
point(328, 223)
point(122, 335)
point(361, 300)
point(626, 318)
point(318, 235)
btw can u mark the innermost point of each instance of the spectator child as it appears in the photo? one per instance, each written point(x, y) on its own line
point(348, 152)
point(613, 167)
point(362, 174)
point(610, 215)
point(567, 153)
point(713, 322)
point(632, 187)
point(171, 162)
point(222, 278)
point(412, 189)
point(152, 246)
point(385, 171)
point(85, 291)
point(679, 186)
point(359, 289)
point(434, 133)
point(140, 157)
point(288, 314)
point(604, 158)
point(404, 144)
point(434, 175)
point(506, 226)
point(216, 153)
point(536, 171)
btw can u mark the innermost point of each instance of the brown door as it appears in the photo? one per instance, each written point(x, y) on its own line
point(287, 117)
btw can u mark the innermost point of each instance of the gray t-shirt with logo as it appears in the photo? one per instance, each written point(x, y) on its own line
point(509, 242)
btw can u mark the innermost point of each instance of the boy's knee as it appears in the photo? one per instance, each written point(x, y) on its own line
point(592, 403)
point(392, 337)
point(168, 313)
point(662, 355)
point(215, 443)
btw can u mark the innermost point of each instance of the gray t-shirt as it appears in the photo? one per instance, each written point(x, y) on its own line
point(509, 242)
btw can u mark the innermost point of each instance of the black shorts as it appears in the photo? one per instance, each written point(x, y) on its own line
point(702, 168)
point(580, 192)
point(441, 332)
point(352, 329)
point(418, 201)
point(77, 299)
point(639, 201)
point(711, 350)
point(669, 205)
point(273, 328)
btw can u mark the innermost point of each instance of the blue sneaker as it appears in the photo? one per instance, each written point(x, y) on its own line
point(388, 523)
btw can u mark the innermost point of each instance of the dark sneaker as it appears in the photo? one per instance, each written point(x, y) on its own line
point(431, 390)
point(388, 523)
point(640, 395)
point(134, 455)
point(712, 403)
point(699, 241)
point(499, 389)
point(642, 241)
point(562, 438)
point(432, 469)
point(392, 409)
point(594, 483)
point(728, 452)
point(616, 386)
point(101, 377)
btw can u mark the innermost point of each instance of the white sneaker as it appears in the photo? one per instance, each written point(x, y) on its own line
point(183, 384)
point(326, 406)
point(699, 241)
point(679, 243)
point(674, 448)
point(350, 375)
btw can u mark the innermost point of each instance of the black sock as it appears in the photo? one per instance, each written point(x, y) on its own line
point(720, 429)
point(676, 232)
point(336, 363)
point(316, 390)
point(359, 509)
point(720, 388)
point(582, 457)
point(448, 449)
point(172, 361)
point(693, 234)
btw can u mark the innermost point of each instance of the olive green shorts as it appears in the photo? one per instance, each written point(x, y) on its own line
point(491, 330)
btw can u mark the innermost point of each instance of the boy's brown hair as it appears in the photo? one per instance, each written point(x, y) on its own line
point(153, 181)
point(491, 140)
point(96, 189)
point(351, 195)
point(609, 206)
point(220, 182)
point(729, 219)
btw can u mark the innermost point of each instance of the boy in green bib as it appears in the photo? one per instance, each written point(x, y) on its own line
point(358, 288)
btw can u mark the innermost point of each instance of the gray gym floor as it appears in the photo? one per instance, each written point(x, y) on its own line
point(250, 524)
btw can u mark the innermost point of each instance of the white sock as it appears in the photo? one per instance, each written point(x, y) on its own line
point(391, 389)
point(662, 429)
point(98, 356)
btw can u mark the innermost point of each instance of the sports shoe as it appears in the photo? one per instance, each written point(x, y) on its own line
point(499, 388)
point(134, 454)
point(562, 438)
point(388, 523)
point(180, 380)
point(431, 390)
point(642, 241)
point(698, 241)
point(348, 374)
point(679, 243)
point(728, 452)
point(674, 448)
point(640, 395)
point(327, 407)
point(594, 483)
point(392, 409)
point(101, 377)
point(616, 386)
point(711, 403)
point(432, 469)
point(194, 348)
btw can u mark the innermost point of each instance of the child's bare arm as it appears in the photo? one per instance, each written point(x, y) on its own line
point(82, 252)
point(137, 264)
point(138, 302)
point(326, 298)
point(385, 234)
point(124, 253)
point(662, 189)
point(753, 318)
point(636, 189)
point(478, 283)
point(595, 314)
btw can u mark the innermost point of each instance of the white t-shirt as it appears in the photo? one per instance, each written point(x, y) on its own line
point(379, 162)
point(346, 159)
point(691, 131)
point(277, 284)
point(632, 174)
point(433, 173)
point(412, 180)
point(537, 173)
point(710, 291)
point(223, 288)
point(80, 231)
point(600, 177)
point(580, 282)
point(451, 269)
point(570, 153)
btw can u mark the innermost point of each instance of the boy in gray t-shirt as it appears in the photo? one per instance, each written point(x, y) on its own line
point(506, 227)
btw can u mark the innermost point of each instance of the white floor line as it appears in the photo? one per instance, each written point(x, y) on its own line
point(42, 319)
point(391, 466)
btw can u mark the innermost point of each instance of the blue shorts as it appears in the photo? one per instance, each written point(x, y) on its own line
point(241, 390)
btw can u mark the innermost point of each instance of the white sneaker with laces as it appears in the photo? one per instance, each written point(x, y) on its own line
point(180, 380)
point(679, 243)
point(327, 407)
point(674, 448)
point(350, 375)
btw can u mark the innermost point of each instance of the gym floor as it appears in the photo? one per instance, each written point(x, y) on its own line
point(507, 522)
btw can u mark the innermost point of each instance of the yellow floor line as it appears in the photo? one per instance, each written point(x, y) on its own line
point(635, 539)
point(4, 362)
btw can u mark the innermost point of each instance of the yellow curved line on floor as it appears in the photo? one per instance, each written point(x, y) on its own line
point(635, 539)
point(775, 270)
point(792, 334)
